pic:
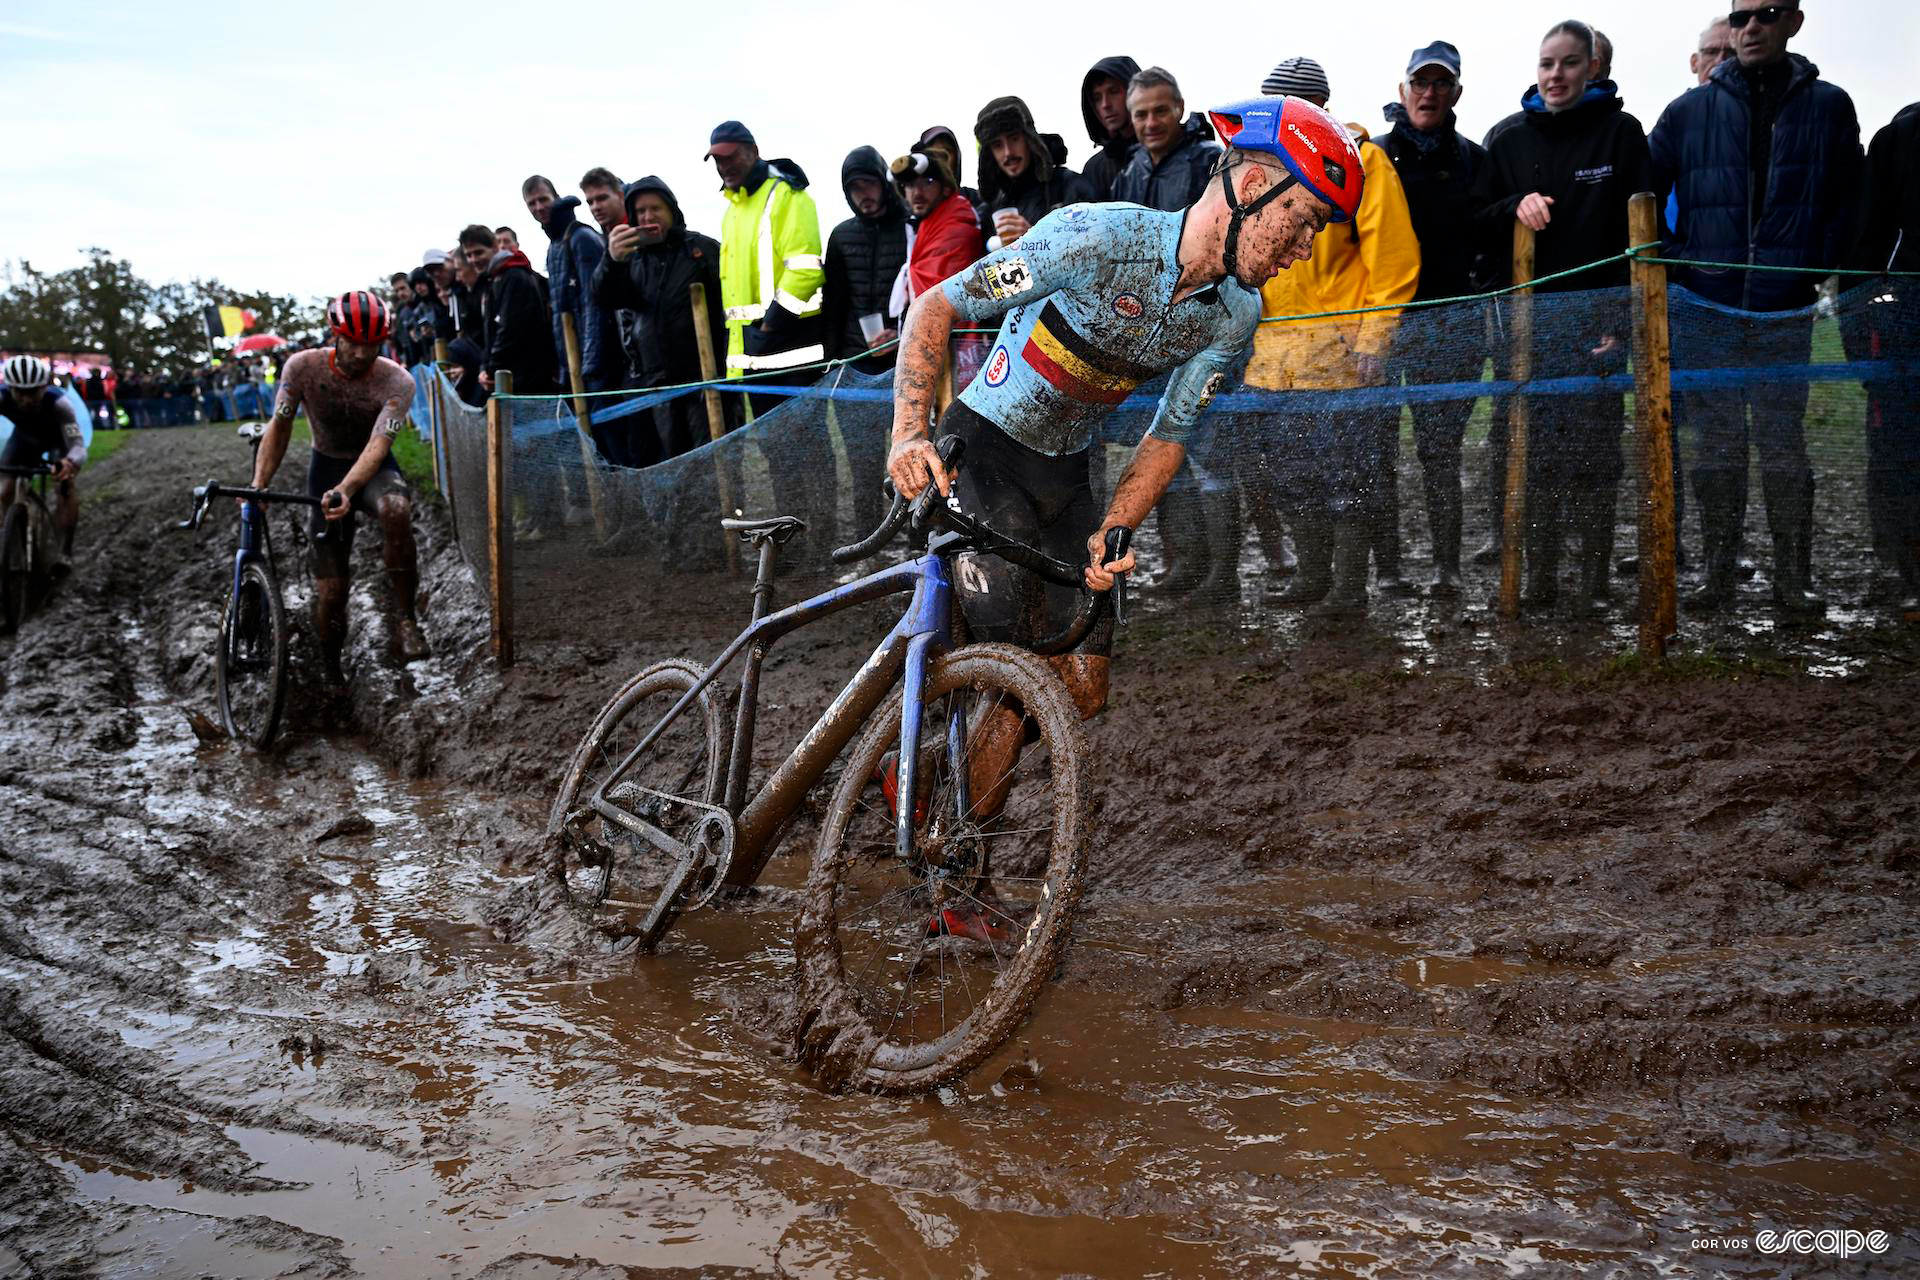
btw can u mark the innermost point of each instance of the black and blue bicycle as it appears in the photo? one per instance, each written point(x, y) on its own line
point(952, 848)
point(250, 664)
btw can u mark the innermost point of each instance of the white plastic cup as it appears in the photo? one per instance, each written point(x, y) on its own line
point(999, 220)
point(872, 326)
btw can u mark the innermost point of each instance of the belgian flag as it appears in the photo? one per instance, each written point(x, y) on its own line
point(228, 322)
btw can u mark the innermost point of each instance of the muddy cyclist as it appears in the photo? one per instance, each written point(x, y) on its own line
point(44, 429)
point(1096, 300)
point(356, 401)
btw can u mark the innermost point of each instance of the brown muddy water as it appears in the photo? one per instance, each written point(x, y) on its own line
point(1394, 976)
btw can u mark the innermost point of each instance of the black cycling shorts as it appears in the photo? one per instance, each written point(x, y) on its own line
point(1041, 499)
point(332, 554)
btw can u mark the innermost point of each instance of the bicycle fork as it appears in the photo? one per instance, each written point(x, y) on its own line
point(929, 622)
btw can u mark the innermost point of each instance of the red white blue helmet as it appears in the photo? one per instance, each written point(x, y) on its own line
point(25, 373)
point(360, 316)
point(1315, 148)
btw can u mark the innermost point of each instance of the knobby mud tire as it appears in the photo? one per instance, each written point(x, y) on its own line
point(14, 568)
point(611, 736)
point(835, 1037)
point(257, 730)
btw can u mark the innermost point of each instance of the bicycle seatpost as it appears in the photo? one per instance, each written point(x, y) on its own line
point(1119, 538)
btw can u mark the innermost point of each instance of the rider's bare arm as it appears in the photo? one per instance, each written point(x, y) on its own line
point(1148, 473)
point(273, 442)
point(76, 455)
point(923, 346)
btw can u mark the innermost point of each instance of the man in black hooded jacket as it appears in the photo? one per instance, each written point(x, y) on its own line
point(652, 263)
point(864, 256)
point(1103, 105)
point(1020, 169)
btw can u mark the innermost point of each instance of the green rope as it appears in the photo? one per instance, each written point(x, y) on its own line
point(1754, 266)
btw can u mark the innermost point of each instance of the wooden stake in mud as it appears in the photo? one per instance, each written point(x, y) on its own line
point(589, 456)
point(500, 517)
point(1653, 411)
point(716, 417)
point(1514, 522)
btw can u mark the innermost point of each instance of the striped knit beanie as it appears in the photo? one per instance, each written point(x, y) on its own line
point(1299, 78)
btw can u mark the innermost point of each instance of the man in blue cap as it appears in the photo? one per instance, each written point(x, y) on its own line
point(1437, 167)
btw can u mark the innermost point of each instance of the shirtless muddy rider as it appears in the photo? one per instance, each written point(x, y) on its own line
point(356, 401)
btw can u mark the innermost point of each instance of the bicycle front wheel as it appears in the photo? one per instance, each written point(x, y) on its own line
point(13, 567)
point(671, 791)
point(250, 668)
point(911, 971)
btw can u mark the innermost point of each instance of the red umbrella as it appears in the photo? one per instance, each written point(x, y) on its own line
point(258, 342)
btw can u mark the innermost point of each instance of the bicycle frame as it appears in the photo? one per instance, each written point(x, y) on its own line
point(921, 633)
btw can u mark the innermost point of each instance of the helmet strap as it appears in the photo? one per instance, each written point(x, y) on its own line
point(1230, 253)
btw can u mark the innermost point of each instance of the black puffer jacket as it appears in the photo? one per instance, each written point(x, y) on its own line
point(1891, 239)
point(1437, 170)
point(1591, 158)
point(653, 285)
point(864, 255)
point(1178, 179)
point(1794, 209)
point(1111, 158)
point(1043, 186)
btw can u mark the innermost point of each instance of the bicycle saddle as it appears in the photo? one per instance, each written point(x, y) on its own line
point(775, 528)
point(253, 430)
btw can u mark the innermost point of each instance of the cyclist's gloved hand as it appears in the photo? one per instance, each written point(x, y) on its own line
point(909, 465)
point(1100, 576)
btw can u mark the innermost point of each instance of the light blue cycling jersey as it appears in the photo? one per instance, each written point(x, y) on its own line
point(1088, 299)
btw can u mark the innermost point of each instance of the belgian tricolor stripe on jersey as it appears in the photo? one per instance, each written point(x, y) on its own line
point(1077, 367)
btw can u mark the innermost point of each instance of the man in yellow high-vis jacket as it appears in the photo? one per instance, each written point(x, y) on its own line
point(771, 277)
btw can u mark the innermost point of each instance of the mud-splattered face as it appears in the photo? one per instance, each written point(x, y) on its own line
point(353, 359)
point(1280, 234)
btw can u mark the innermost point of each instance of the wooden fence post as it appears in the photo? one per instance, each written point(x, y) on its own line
point(589, 457)
point(500, 517)
point(1514, 521)
point(1653, 411)
point(716, 416)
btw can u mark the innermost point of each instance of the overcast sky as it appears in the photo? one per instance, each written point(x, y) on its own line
point(310, 150)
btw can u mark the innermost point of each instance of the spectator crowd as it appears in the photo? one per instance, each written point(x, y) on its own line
point(1758, 162)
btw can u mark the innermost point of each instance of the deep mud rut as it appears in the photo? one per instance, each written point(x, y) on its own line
point(1384, 974)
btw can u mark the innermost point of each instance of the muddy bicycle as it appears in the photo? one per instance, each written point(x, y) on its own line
point(950, 856)
point(250, 663)
point(26, 549)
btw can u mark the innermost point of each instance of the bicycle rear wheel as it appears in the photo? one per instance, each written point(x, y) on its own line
point(13, 568)
point(674, 789)
point(912, 971)
point(250, 668)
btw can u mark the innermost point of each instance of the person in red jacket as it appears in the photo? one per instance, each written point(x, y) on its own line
point(943, 239)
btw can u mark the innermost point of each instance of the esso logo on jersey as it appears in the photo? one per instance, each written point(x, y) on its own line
point(997, 367)
point(1128, 306)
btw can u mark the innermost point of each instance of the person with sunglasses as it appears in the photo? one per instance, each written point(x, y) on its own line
point(1765, 162)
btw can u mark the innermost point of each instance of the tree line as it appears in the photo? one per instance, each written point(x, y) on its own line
point(106, 307)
